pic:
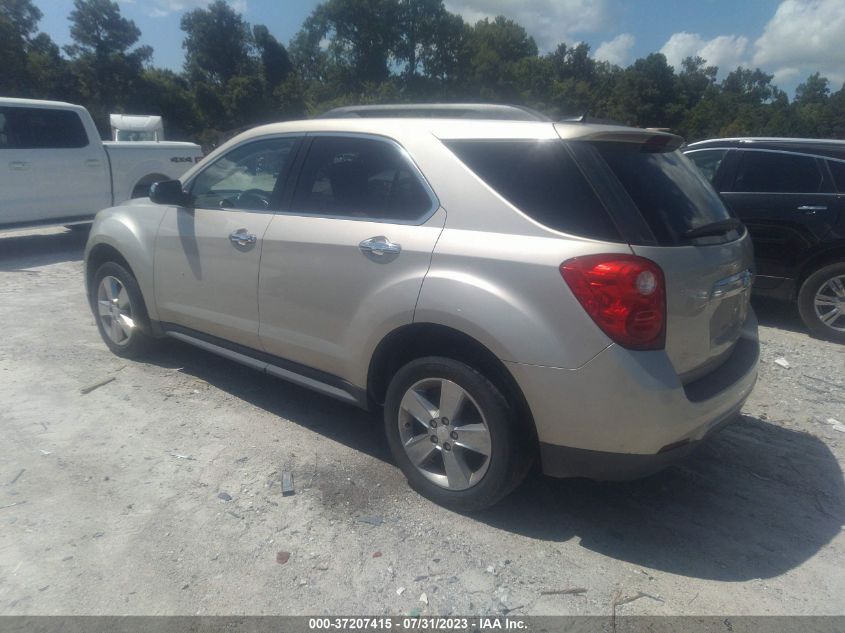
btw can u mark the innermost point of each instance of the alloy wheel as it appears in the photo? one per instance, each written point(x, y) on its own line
point(115, 310)
point(444, 433)
point(829, 303)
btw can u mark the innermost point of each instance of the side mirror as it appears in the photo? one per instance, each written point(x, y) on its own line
point(169, 192)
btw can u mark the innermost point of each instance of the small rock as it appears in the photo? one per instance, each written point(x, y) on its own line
point(282, 557)
point(423, 598)
point(99, 534)
point(376, 554)
point(782, 362)
point(400, 591)
point(224, 496)
point(303, 582)
point(491, 569)
point(322, 566)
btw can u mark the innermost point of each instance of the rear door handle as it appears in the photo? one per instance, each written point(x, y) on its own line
point(812, 208)
point(380, 246)
point(242, 238)
point(18, 165)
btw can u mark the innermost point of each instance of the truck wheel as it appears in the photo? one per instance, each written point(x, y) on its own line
point(119, 310)
point(453, 434)
point(821, 302)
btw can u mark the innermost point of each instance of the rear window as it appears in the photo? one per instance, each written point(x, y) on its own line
point(670, 192)
point(541, 179)
point(42, 128)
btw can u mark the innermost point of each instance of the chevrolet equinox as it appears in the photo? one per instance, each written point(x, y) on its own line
point(503, 291)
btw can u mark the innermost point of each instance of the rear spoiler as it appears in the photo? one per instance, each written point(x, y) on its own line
point(651, 140)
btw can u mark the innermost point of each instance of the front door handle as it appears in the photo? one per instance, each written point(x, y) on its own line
point(92, 162)
point(242, 238)
point(18, 165)
point(812, 208)
point(380, 246)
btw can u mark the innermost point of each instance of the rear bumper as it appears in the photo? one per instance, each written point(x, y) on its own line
point(626, 414)
point(563, 461)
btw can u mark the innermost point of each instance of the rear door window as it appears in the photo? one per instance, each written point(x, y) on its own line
point(362, 178)
point(777, 172)
point(670, 192)
point(42, 128)
point(541, 179)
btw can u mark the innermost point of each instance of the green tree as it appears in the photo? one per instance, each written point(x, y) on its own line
point(493, 51)
point(275, 61)
point(18, 24)
point(105, 59)
point(361, 36)
point(217, 44)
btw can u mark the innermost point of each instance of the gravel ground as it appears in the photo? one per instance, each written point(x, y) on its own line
point(158, 493)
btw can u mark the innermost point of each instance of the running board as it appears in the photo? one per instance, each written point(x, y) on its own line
point(348, 394)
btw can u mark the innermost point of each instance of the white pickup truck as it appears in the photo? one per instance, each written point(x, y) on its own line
point(54, 169)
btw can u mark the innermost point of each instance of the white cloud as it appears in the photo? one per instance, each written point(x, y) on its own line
point(616, 51)
point(548, 21)
point(162, 8)
point(803, 37)
point(725, 51)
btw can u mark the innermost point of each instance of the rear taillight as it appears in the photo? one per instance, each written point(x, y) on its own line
point(624, 294)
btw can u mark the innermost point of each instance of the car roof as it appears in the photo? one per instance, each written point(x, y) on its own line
point(41, 103)
point(448, 129)
point(438, 110)
point(829, 148)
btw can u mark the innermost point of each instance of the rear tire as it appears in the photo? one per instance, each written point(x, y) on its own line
point(119, 310)
point(468, 462)
point(821, 302)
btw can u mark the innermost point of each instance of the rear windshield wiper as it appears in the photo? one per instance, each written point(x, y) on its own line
point(715, 228)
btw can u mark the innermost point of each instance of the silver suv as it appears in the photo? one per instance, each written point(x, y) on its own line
point(504, 291)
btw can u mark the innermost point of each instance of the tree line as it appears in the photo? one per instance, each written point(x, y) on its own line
point(237, 75)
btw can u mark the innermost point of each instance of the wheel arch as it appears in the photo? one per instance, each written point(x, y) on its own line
point(417, 340)
point(102, 253)
point(830, 255)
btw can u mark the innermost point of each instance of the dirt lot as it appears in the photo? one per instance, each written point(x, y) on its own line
point(158, 493)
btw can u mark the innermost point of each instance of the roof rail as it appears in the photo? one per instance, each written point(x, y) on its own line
point(438, 111)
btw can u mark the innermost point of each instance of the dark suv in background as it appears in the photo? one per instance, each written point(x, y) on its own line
point(790, 193)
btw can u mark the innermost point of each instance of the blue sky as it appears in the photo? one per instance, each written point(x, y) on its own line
point(789, 38)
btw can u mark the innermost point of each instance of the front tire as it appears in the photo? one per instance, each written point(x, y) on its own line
point(821, 302)
point(119, 311)
point(454, 434)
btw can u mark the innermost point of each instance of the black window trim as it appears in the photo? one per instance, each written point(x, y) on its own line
point(824, 172)
point(287, 206)
point(277, 198)
point(841, 161)
point(70, 110)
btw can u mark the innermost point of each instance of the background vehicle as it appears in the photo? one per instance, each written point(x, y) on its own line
point(54, 169)
point(790, 193)
point(136, 127)
point(502, 290)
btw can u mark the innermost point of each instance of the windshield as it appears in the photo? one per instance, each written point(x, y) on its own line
point(670, 193)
